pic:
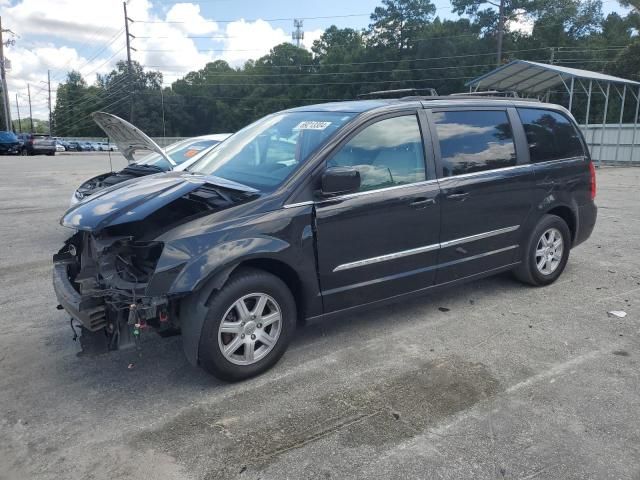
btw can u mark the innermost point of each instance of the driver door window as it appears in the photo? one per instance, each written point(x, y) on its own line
point(387, 153)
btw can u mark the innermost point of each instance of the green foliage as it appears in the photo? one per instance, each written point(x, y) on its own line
point(405, 46)
point(24, 125)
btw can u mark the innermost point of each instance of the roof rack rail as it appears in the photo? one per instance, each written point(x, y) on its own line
point(400, 93)
point(488, 93)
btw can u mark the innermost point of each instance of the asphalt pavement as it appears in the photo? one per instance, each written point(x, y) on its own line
point(490, 380)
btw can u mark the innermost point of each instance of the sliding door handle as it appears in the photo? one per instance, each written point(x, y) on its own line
point(422, 202)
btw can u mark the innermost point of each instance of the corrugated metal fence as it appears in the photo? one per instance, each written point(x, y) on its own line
point(613, 144)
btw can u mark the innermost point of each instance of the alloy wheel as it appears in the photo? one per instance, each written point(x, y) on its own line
point(549, 251)
point(250, 329)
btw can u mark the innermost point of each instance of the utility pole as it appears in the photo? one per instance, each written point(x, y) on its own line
point(500, 31)
point(50, 117)
point(128, 35)
point(297, 35)
point(3, 80)
point(19, 121)
point(164, 129)
point(553, 55)
point(30, 112)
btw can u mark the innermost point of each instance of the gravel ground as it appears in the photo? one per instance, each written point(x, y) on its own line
point(490, 380)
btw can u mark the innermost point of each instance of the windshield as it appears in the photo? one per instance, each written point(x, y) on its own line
point(266, 152)
point(178, 152)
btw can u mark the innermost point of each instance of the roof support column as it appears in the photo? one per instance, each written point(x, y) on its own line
point(586, 118)
point(635, 124)
point(604, 123)
point(624, 98)
point(573, 79)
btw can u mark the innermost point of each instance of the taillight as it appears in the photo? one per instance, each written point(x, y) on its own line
point(592, 171)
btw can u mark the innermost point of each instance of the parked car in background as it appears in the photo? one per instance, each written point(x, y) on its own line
point(128, 139)
point(377, 201)
point(60, 146)
point(9, 143)
point(74, 146)
point(37, 144)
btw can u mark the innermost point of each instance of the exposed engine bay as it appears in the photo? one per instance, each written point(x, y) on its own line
point(112, 178)
point(109, 277)
point(103, 272)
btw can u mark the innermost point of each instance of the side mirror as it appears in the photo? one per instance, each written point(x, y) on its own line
point(340, 180)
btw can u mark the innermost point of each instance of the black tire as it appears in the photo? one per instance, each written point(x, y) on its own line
point(51, 154)
point(245, 282)
point(528, 271)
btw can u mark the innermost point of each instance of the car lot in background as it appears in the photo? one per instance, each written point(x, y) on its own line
point(492, 380)
point(37, 144)
point(9, 143)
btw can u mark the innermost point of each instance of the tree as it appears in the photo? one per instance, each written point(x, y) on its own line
point(397, 21)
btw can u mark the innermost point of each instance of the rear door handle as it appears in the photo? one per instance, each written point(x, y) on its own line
point(458, 196)
point(422, 202)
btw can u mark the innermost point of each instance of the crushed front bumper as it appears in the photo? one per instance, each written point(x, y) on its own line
point(90, 312)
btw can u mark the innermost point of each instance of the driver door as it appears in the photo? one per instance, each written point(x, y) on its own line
point(383, 240)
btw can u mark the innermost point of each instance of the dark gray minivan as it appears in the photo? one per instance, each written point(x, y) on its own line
point(321, 210)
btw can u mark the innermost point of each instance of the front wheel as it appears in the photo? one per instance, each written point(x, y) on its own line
point(248, 326)
point(546, 253)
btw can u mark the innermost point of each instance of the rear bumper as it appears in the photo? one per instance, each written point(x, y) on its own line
point(587, 215)
point(89, 311)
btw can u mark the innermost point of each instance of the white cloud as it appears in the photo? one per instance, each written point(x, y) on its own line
point(247, 40)
point(189, 20)
point(70, 33)
point(522, 24)
point(29, 66)
point(76, 20)
point(311, 36)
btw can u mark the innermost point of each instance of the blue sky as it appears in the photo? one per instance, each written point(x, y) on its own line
point(86, 35)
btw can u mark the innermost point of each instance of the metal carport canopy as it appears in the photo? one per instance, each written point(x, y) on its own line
point(536, 78)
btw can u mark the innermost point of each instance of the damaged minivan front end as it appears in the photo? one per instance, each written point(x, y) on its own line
point(101, 281)
point(106, 275)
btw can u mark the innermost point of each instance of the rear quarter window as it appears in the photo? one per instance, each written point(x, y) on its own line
point(550, 135)
point(474, 141)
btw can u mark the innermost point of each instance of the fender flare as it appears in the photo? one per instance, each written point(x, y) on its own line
point(193, 311)
point(194, 307)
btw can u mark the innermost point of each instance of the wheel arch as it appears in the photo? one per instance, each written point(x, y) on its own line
point(568, 215)
point(193, 308)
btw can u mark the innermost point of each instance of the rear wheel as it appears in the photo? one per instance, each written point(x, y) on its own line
point(546, 253)
point(248, 326)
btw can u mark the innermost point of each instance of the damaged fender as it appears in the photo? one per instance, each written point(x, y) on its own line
point(202, 276)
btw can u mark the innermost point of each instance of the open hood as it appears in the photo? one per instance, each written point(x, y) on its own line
point(174, 194)
point(127, 137)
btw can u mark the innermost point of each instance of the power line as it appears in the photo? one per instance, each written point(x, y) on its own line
point(255, 19)
point(82, 102)
point(82, 119)
point(429, 59)
point(363, 82)
point(231, 37)
point(94, 56)
point(314, 74)
point(117, 52)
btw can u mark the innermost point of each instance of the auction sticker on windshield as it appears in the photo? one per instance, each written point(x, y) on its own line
point(312, 125)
